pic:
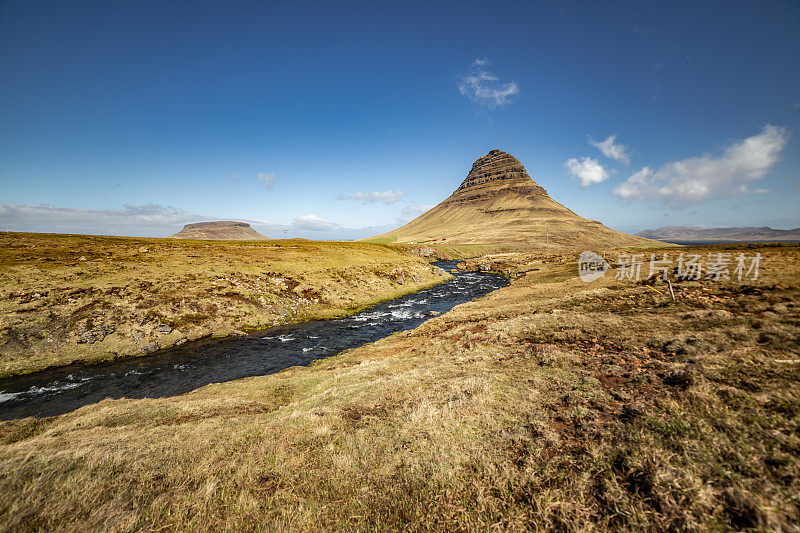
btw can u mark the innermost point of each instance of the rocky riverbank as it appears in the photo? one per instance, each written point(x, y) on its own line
point(66, 299)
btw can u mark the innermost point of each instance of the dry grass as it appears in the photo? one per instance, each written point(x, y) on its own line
point(550, 404)
point(70, 298)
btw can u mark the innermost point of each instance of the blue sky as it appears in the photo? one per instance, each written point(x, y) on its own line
point(323, 119)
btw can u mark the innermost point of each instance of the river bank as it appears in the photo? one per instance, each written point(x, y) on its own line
point(68, 299)
point(195, 364)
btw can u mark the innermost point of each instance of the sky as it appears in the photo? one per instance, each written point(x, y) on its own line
point(323, 120)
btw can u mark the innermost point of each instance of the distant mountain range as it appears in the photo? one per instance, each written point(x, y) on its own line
point(498, 202)
point(688, 234)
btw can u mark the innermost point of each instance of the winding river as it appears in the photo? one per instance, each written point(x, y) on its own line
point(195, 364)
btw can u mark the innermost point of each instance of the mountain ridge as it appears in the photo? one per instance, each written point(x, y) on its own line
point(732, 234)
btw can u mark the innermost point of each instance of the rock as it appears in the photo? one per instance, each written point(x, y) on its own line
point(164, 329)
point(143, 250)
point(280, 283)
point(137, 337)
point(432, 313)
point(90, 337)
point(423, 251)
point(150, 347)
point(82, 258)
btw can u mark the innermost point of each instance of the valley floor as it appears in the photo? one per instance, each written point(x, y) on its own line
point(549, 404)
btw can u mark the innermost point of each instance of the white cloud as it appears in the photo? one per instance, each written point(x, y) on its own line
point(411, 212)
point(267, 180)
point(484, 88)
point(698, 179)
point(314, 223)
point(133, 220)
point(612, 151)
point(588, 170)
point(385, 197)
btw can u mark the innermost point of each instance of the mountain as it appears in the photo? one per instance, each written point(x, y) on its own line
point(498, 202)
point(223, 230)
point(688, 234)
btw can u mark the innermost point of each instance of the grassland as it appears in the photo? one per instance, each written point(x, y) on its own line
point(549, 404)
point(67, 299)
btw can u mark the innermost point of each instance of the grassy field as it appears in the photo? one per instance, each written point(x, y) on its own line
point(71, 298)
point(549, 404)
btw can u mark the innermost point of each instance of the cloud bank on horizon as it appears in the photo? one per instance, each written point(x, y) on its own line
point(385, 197)
point(136, 220)
point(314, 223)
point(152, 220)
point(411, 212)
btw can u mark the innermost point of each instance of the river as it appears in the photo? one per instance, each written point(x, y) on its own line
point(195, 364)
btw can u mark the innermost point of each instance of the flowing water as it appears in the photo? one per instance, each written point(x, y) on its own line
point(199, 363)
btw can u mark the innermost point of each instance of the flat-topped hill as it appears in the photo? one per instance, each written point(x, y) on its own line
point(222, 230)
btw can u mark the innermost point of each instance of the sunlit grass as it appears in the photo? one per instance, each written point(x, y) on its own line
point(77, 298)
point(549, 404)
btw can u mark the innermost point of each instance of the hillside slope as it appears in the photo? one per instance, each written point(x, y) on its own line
point(499, 202)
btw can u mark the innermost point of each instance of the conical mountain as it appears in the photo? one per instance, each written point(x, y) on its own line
point(498, 202)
